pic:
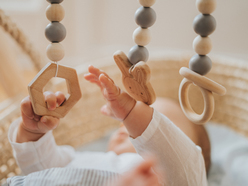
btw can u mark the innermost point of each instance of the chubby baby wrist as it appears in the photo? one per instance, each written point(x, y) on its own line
point(138, 119)
point(134, 104)
point(25, 135)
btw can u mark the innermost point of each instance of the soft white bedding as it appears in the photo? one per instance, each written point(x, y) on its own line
point(229, 157)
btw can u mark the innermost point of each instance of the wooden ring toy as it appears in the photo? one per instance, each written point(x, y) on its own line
point(200, 64)
point(186, 107)
point(55, 32)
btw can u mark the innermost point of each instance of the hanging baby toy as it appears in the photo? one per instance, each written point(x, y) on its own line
point(204, 24)
point(55, 32)
point(135, 72)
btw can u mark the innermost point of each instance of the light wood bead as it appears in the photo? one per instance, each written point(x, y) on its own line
point(142, 36)
point(147, 3)
point(206, 6)
point(202, 45)
point(55, 52)
point(55, 12)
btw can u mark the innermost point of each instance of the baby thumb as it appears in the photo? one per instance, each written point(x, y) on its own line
point(49, 122)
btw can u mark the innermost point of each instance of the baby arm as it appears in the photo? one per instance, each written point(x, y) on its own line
point(135, 115)
point(179, 158)
point(32, 141)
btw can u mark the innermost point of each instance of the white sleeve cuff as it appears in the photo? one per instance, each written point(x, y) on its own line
point(150, 130)
point(12, 134)
point(38, 155)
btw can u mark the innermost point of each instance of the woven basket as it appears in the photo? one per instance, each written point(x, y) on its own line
point(85, 123)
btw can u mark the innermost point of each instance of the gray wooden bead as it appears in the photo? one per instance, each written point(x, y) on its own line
point(54, 1)
point(200, 64)
point(137, 54)
point(204, 24)
point(145, 17)
point(55, 32)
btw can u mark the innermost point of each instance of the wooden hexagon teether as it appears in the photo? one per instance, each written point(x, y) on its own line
point(36, 86)
point(135, 78)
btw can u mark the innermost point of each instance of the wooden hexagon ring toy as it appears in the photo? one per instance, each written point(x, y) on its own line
point(55, 32)
point(135, 78)
point(36, 86)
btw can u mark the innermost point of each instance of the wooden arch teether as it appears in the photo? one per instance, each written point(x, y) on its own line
point(135, 73)
point(200, 64)
point(55, 32)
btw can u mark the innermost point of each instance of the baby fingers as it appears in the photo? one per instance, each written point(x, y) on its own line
point(26, 108)
point(60, 97)
point(110, 90)
point(53, 100)
point(93, 79)
point(48, 123)
point(97, 72)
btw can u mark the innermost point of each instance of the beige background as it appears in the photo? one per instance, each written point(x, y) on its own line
point(97, 28)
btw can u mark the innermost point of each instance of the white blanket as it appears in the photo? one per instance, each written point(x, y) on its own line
point(229, 157)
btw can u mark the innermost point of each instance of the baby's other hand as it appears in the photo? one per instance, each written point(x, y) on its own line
point(119, 103)
point(34, 126)
point(142, 175)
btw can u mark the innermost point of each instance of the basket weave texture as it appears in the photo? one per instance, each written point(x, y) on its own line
point(85, 123)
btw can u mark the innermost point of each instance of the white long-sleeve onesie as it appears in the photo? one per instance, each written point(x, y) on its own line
point(180, 159)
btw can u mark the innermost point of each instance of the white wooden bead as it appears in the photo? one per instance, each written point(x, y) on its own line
point(147, 3)
point(55, 52)
point(142, 36)
point(202, 45)
point(206, 6)
point(55, 12)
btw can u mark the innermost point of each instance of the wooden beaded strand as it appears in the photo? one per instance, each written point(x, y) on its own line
point(204, 24)
point(55, 31)
point(145, 17)
point(135, 72)
point(200, 64)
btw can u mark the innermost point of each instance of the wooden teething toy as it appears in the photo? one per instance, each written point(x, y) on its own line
point(135, 72)
point(55, 32)
point(204, 24)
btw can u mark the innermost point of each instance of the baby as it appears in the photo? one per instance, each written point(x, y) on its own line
point(161, 130)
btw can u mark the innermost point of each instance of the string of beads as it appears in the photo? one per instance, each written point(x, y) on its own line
point(200, 64)
point(145, 17)
point(204, 24)
point(55, 31)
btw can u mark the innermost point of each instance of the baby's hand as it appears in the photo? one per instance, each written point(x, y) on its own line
point(33, 126)
point(142, 175)
point(119, 103)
